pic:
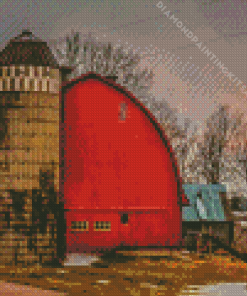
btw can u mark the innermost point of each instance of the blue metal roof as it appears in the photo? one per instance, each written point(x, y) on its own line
point(204, 201)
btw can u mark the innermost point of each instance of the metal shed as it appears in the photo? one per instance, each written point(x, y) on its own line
point(205, 214)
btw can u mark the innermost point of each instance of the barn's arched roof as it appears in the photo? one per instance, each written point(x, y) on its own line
point(66, 86)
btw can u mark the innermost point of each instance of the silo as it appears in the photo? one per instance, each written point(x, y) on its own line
point(30, 81)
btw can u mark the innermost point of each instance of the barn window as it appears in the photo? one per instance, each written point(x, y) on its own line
point(79, 225)
point(1, 72)
point(8, 72)
point(124, 219)
point(102, 225)
point(123, 111)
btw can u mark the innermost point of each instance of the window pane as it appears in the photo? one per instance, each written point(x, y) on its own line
point(80, 225)
point(102, 225)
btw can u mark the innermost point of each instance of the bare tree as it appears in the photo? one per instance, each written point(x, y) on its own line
point(217, 154)
point(90, 55)
point(234, 171)
point(220, 129)
point(191, 160)
point(236, 163)
point(184, 146)
point(205, 156)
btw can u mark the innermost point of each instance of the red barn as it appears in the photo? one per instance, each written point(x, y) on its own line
point(118, 174)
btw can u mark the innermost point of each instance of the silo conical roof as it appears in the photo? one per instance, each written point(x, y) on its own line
point(27, 49)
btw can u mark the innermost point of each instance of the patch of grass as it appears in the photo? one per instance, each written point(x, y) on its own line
point(167, 273)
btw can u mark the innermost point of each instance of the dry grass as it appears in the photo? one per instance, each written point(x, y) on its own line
point(144, 273)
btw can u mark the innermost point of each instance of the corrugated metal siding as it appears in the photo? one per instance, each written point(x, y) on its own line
point(209, 207)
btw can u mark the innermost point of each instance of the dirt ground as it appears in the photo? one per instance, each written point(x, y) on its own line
point(9, 289)
point(137, 273)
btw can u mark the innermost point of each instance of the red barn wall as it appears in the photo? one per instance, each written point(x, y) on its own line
point(113, 166)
